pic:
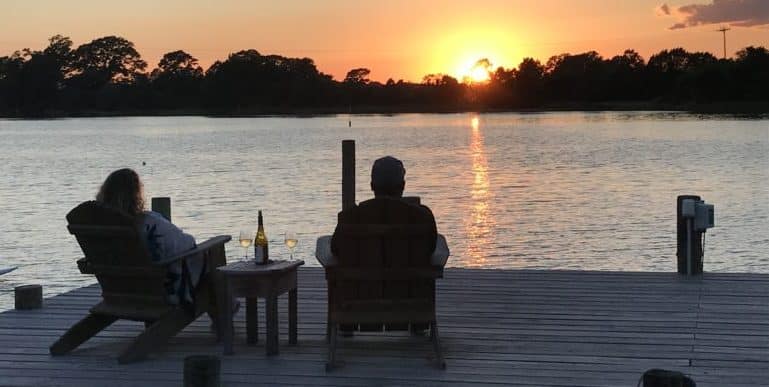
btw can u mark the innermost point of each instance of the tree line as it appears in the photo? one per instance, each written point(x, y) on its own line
point(108, 76)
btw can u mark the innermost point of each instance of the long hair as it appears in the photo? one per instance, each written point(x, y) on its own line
point(124, 191)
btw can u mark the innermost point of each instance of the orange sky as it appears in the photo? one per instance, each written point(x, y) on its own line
point(397, 39)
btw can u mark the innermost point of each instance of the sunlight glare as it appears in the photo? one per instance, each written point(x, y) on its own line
point(478, 74)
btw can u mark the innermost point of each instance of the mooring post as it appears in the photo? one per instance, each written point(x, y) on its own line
point(28, 297)
point(687, 240)
point(202, 371)
point(348, 174)
point(162, 205)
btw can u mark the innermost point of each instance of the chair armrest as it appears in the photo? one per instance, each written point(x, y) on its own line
point(327, 259)
point(201, 248)
point(441, 253)
point(323, 252)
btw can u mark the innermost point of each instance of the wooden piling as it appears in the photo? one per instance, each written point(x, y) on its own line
point(348, 174)
point(28, 297)
point(682, 246)
point(162, 205)
point(202, 371)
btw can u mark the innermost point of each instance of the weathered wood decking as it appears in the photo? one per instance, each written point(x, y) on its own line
point(507, 327)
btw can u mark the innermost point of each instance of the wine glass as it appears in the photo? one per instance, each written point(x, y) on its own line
point(245, 242)
point(291, 240)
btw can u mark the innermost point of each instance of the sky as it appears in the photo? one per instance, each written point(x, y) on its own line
point(398, 39)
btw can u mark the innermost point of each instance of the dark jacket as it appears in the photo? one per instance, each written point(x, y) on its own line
point(376, 211)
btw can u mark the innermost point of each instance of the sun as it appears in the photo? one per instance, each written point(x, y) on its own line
point(478, 74)
point(474, 71)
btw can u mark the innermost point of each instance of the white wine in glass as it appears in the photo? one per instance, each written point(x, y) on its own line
point(245, 242)
point(291, 241)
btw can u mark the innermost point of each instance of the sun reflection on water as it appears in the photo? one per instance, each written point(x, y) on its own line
point(480, 222)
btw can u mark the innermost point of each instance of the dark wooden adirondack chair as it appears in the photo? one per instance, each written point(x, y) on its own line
point(383, 276)
point(133, 285)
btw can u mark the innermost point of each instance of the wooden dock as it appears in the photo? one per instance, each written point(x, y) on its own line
point(504, 327)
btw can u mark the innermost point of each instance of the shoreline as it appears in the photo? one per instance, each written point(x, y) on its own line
point(757, 109)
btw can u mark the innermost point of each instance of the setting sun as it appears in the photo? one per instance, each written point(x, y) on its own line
point(478, 74)
point(474, 70)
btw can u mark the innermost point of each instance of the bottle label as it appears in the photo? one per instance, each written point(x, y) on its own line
point(259, 255)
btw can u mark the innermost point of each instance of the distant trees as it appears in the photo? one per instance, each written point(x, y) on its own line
point(110, 59)
point(109, 75)
point(248, 79)
point(357, 76)
point(177, 80)
point(625, 77)
point(529, 86)
point(751, 70)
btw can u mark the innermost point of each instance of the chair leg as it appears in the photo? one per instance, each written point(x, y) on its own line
point(439, 361)
point(80, 332)
point(155, 336)
point(331, 362)
point(214, 326)
point(328, 329)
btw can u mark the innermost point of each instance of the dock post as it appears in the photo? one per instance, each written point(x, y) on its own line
point(348, 174)
point(162, 205)
point(687, 240)
point(202, 371)
point(28, 297)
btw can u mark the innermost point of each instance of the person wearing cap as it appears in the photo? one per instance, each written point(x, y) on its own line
point(388, 179)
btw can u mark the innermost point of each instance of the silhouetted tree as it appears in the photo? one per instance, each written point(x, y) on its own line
point(108, 75)
point(626, 77)
point(11, 84)
point(33, 78)
point(178, 64)
point(357, 76)
point(60, 49)
point(666, 68)
point(249, 79)
point(110, 59)
point(578, 77)
point(752, 72)
point(529, 87)
point(177, 80)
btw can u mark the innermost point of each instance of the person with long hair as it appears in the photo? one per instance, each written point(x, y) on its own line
point(124, 191)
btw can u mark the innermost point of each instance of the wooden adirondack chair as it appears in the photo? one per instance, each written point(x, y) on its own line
point(133, 285)
point(384, 274)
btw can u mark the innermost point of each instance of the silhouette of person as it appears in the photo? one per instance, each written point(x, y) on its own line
point(388, 179)
point(387, 182)
point(124, 191)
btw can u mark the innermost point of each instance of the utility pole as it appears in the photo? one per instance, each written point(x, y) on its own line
point(723, 30)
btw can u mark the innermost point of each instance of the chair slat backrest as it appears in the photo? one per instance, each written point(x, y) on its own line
point(117, 254)
point(380, 235)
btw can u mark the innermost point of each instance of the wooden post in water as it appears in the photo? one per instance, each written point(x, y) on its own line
point(202, 371)
point(695, 237)
point(348, 174)
point(28, 297)
point(162, 206)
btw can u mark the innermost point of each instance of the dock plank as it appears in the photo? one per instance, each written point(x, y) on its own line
point(499, 327)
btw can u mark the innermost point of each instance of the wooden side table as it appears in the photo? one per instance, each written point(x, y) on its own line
point(252, 281)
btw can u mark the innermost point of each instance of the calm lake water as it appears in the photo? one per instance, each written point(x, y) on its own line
point(592, 191)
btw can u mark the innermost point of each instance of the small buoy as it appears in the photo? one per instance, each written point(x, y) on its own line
point(144, 163)
point(349, 124)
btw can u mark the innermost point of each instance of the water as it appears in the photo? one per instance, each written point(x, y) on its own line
point(592, 191)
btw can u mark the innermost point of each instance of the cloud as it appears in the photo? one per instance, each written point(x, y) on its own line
point(740, 13)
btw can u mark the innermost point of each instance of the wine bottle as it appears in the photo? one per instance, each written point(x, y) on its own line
point(260, 243)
